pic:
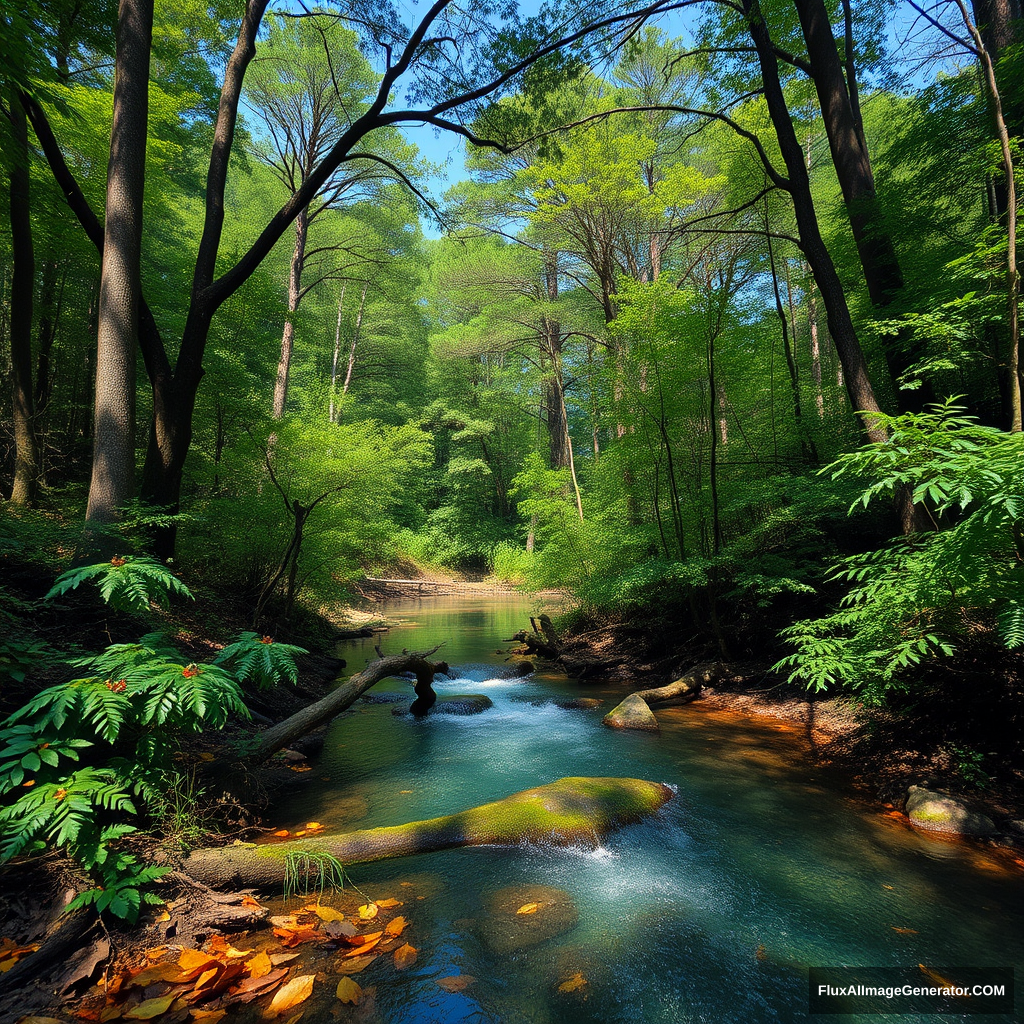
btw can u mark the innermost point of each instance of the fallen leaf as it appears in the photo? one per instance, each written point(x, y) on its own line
point(218, 944)
point(152, 1007)
point(937, 978)
point(284, 921)
point(282, 958)
point(406, 885)
point(259, 965)
point(300, 833)
point(313, 826)
point(395, 927)
point(251, 988)
point(301, 767)
point(298, 990)
point(328, 914)
point(205, 756)
point(162, 916)
point(354, 964)
point(111, 1013)
point(207, 976)
point(405, 956)
point(366, 947)
point(340, 929)
point(456, 983)
point(387, 904)
point(363, 940)
point(160, 972)
point(350, 991)
point(528, 908)
point(904, 931)
point(761, 953)
point(293, 936)
point(890, 887)
point(156, 952)
point(577, 981)
point(282, 833)
point(248, 901)
point(210, 1016)
point(368, 911)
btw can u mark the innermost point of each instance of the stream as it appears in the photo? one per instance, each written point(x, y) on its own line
point(762, 866)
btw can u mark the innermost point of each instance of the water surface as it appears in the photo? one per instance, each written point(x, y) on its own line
point(713, 910)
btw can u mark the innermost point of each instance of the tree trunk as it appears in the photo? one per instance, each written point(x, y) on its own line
point(113, 468)
point(355, 340)
point(844, 335)
point(334, 359)
point(294, 298)
point(26, 443)
point(279, 736)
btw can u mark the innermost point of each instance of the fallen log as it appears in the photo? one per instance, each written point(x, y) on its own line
point(564, 813)
point(634, 711)
point(279, 736)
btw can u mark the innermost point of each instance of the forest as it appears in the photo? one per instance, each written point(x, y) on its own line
point(714, 335)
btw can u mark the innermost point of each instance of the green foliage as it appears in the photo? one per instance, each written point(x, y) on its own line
point(260, 660)
point(129, 583)
point(918, 598)
point(128, 716)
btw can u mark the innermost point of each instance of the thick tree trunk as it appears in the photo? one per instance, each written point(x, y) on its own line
point(113, 467)
point(26, 443)
point(844, 335)
point(294, 298)
point(685, 689)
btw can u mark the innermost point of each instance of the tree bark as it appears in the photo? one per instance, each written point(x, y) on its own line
point(26, 442)
point(334, 359)
point(294, 298)
point(279, 736)
point(844, 335)
point(351, 365)
point(113, 466)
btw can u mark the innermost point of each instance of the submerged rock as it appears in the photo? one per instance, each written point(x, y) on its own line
point(547, 912)
point(632, 713)
point(939, 812)
point(571, 811)
point(460, 704)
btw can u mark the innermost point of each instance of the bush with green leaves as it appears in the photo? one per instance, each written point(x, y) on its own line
point(918, 598)
point(127, 583)
point(260, 660)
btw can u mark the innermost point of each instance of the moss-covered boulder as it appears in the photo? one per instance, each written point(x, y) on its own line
point(524, 915)
point(568, 812)
point(632, 713)
point(939, 812)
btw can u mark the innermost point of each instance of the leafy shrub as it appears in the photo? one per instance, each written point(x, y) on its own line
point(127, 583)
point(915, 599)
point(261, 660)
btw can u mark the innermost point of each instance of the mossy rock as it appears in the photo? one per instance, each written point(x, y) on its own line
point(571, 811)
point(505, 930)
point(939, 812)
point(632, 713)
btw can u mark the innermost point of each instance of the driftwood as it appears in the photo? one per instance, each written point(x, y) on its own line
point(634, 712)
point(567, 812)
point(279, 736)
point(543, 641)
point(66, 935)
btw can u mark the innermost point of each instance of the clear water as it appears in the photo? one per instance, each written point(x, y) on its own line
point(712, 911)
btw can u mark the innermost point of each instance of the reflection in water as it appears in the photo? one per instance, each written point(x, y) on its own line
point(712, 911)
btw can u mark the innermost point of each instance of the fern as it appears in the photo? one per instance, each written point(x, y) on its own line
point(262, 661)
point(128, 583)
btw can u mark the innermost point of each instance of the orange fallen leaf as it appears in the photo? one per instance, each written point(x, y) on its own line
point(937, 978)
point(282, 833)
point(405, 956)
point(300, 833)
point(528, 908)
point(298, 990)
point(156, 952)
point(387, 904)
point(301, 767)
point(282, 958)
point(405, 885)
point(218, 944)
point(363, 940)
point(368, 911)
point(259, 965)
point(349, 991)
point(207, 976)
point(456, 983)
point(904, 931)
point(209, 1016)
point(248, 901)
point(159, 972)
point(366, 946)
point(396, 926)
point(151, 1008)
point(313, 826)
point(252, 988)
point(291, 937)
point(577, 981)
point(354, 964)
